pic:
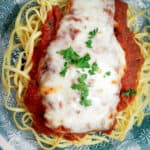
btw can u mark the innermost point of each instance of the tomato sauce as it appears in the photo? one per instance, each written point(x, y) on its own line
point(33, 98)
point(134, 58)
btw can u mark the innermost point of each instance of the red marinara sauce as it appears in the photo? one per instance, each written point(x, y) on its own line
point(134, 58)
point(33, 98)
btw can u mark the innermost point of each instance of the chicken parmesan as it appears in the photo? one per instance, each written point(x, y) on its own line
point(80, 74)
point(85, 64)
point(80, 70)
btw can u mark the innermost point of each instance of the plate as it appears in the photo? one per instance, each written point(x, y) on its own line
point(137, 139)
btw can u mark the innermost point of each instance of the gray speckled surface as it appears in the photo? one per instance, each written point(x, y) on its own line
point(137, 139)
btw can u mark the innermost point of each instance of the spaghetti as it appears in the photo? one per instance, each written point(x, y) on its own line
point(15, 74)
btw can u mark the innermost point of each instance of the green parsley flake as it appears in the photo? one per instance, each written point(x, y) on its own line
point(69, 54)
point(91, 34)
point(81, 85)
point(89, 43)
point(86, 103)
point(64, 70)
point(108, 73)
point(83, 62)
point(84, 90)
point(72, 58)
point(129, 92)
point(93, 69)
point(82, 78)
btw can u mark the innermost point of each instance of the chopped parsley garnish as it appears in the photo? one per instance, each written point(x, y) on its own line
point(86, 102)
point(108, 73)
point(64, 70)
point(73, 58)
point(81, 85)
point(91, 34)
point(84, 90)
point(82, 78)
point(69, 54)
point(89, 43)
point(93, 69)
point(83, 62)
point(129, 92)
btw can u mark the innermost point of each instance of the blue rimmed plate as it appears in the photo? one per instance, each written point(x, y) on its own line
point(137, 139)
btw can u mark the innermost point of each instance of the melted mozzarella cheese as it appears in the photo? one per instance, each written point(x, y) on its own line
point(62, 103)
